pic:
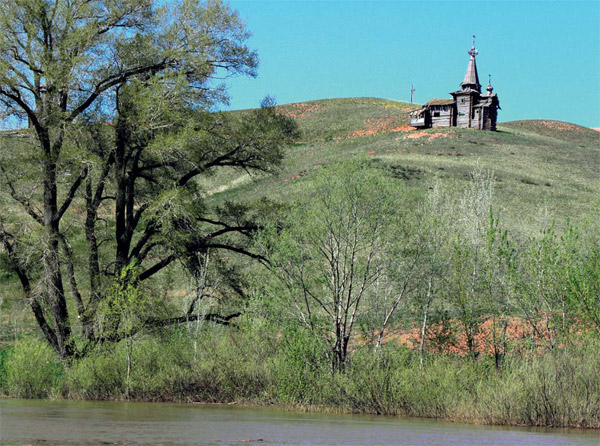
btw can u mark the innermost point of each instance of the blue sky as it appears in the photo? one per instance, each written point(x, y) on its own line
point(544, 56)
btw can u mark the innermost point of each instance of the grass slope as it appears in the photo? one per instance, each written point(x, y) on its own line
point(543, 169)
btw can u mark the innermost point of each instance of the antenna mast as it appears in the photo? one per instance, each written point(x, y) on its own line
point(412, 94)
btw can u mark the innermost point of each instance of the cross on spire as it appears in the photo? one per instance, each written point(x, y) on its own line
point(471, 81)
point(473, 52)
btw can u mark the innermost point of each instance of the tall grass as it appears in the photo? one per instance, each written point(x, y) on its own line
point(560, 388)
point(31, 370)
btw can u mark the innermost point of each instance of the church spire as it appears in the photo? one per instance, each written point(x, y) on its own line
point(471, 78)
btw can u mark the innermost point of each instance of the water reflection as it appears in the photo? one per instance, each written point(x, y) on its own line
point(87, 423)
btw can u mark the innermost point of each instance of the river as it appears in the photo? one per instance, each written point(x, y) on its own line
point(38, 422)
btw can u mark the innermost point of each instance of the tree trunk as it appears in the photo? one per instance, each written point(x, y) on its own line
point(469, 332)
point(93, 260)
point(37, 309)
point(424, 325)
point(51, 259)
point(340, 351)
point(122, 252)
point(339, 357)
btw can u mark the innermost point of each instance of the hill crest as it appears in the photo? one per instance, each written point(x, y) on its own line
point(542, 167)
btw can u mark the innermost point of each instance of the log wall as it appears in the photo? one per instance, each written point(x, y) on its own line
point(442, 115)
point(463, 106)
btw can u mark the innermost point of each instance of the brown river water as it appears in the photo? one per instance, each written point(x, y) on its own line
point(35, 422)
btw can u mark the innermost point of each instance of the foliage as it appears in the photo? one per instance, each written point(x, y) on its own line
point(331, 250)
point(301, 368)
point(32, 370)
point(4, 356)
point(559, 388)
point(470, 254)
point(557, 283)
point(583, 289)
point(121, 100)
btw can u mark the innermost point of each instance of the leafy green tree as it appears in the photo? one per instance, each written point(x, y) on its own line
point(557, 283)
point(583, 289)
point(118, 95)
point(407, 256)
point(434, 266)
point(498, 263)
point(123, 311)
point(469, 255)
point(331, 248)
point(583, 283)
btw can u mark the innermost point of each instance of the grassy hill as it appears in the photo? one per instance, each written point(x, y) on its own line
point(543, 169)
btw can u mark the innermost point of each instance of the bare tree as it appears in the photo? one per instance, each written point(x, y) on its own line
point(331, 251)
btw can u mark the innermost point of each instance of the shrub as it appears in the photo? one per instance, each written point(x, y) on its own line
point(302, 372)
point(4, 354)
point(100, 375)
point(33, 370)
point(560, 388)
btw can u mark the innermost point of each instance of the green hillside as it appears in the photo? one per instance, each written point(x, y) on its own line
point(497, 297)
point(543, 169)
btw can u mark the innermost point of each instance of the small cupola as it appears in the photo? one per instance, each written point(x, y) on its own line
point(489, 88)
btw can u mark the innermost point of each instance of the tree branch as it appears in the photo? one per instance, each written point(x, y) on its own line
point(16, 97)
point(157, 267)
point(15, 264)
point(258, 257)
point(146, 236)
point(110, 82)
point(219, 161)
point(24, 202)
point(158, 323)
point(213, 317)
point(74, 187)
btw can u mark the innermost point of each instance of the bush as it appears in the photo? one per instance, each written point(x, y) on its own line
point(167, 368)
point(376, 380)
point(157, 366)
point(560, 388)
point(4, 354)
point(100, 375)
point(302, 372)
point(33, 370)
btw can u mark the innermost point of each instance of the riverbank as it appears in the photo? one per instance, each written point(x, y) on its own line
point(84, 422)
point(556, 389)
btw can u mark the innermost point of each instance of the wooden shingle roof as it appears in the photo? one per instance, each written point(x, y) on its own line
point(471, 76)
point(440, 102)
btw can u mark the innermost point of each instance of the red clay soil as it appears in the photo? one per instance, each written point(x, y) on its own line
point(299, 110)
point(292, 178)
point(558, 125)
point(451, 338)
point(376, 126)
